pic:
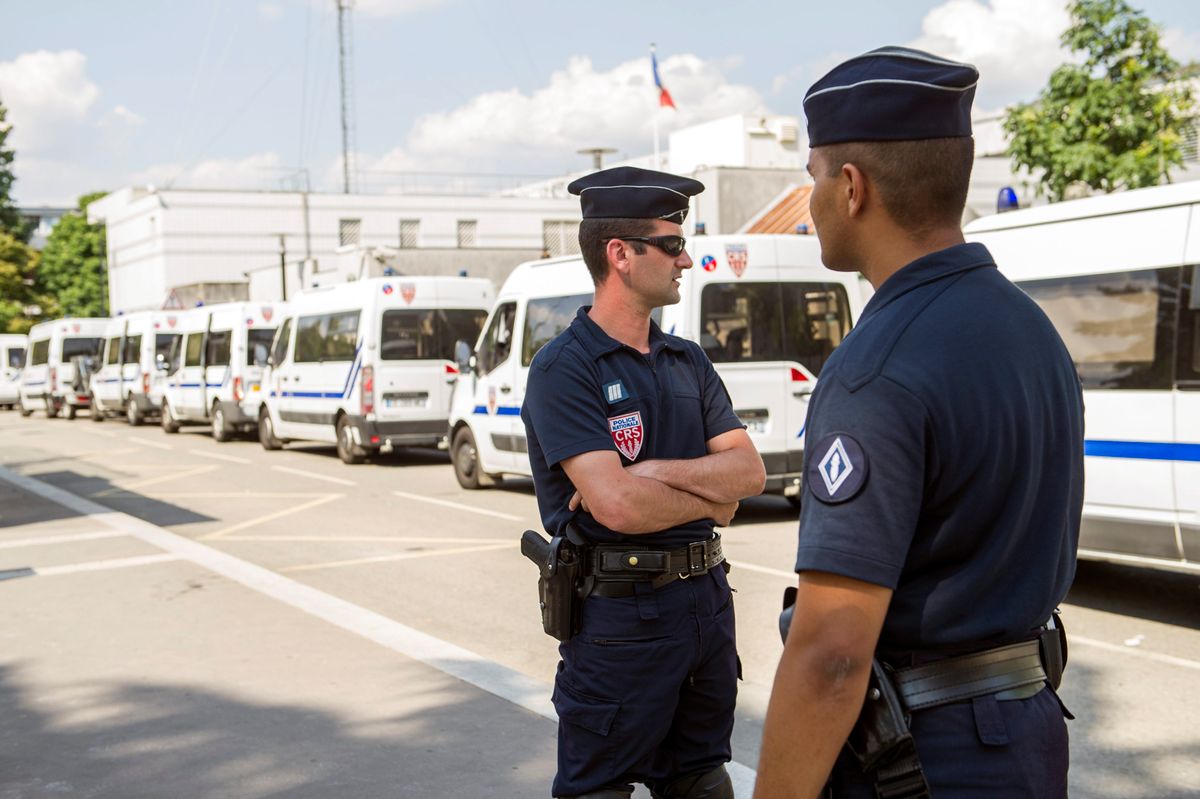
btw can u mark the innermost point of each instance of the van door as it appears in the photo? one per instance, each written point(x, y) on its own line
point(190, 377)
point(218, 351)
point(496, 417)
point(1187, 415)
point(131, 368)
point(320, 378)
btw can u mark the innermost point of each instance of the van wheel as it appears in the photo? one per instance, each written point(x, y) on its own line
point(25, 412)
point(169, 425)
point(346, 448)
point(266, 432)
point(133, 414)
point(71, 411)
point(465, 457)
point(97, 414)
point(220, 430)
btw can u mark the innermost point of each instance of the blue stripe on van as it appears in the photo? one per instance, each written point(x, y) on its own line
point(501, 410)
point(1142, 450)
point(346, 389)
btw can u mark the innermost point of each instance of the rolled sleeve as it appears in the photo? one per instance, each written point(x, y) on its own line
point(564, 406)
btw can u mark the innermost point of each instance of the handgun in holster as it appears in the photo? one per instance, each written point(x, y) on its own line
point(560, 578)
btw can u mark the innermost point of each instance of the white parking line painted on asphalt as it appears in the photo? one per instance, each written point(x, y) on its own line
point(279, 514)
point(1158, 657)
point(754, 567)
point(105, 565)
point(93, 432)
point(314, 475)
point(162, 478)
point(445, 503)
point(501, 681)
point(145, 442)
point(374, 539)
point(428, 553)
point(68, 538)
point(219, 456)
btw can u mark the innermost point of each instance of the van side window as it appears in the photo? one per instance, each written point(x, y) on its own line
point(1119, 328)
point(326, 337)
point(72, 347)
point(133, 349)
point(193, 349)
point(281, 342)
point(545, 319)
point(497, 342)
point(258, 345)
point(427, 334)
point(16, 358)
point(770, 321)
point(39, 353)
point(113, 353)
point(165, 351)
point(218, 348)
point(1187, 369)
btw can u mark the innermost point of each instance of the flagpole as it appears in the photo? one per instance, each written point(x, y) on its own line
point(657, 162)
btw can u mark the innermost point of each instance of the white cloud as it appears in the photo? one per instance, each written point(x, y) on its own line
point(1014, 43)
point(47, 94)
point(1184, 46)
point(270, 10)
point(255, 171)
point(120, 116)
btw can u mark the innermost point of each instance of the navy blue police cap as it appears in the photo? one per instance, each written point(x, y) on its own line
point(632, 193)
point(891, 94)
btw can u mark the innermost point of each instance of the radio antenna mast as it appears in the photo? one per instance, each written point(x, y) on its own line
point(346, 74)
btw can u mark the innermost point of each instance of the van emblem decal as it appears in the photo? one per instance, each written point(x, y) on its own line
point(491, 406)
point(615, 392)
point(708, 263)
point(408, 291)
point(267, 313)
point(75, 327)
point(627, 433)
point(387, 288)
point(738, 258)
point(171, 320)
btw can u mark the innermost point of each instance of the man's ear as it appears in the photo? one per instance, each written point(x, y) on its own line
point(855, 188)
point(617, 253)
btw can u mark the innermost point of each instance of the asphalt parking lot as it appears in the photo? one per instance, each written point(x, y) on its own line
point(193, 619)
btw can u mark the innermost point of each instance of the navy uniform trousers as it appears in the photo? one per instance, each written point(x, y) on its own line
point(982, 749)
point(646, 691)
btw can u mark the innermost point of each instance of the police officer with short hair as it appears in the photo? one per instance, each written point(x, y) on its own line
point(636, 454)
point(943, 475)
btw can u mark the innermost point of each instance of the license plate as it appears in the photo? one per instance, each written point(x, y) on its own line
point(404, 402)
point(755, 425)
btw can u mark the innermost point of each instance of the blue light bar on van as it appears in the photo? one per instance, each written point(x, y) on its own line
point(1006, 200)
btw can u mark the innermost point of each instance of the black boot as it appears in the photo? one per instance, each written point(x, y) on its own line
point(715, 784)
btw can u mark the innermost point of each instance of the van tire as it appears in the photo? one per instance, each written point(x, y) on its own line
point(71, 411)
point(266, 431)
point(25, 412)
point(346, 448)
point(133, 414)
point(465, 457)
point(97, 414)
point(169, 425)
point(220, 429)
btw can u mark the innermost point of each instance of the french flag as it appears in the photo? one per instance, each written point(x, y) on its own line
point(664, 96)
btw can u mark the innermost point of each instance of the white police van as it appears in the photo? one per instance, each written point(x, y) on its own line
point(61, 353)
point(216, 369)
point(1119, 276)
point(132, 374)
point(763, 308)
point(12, 358)
point(368, 365)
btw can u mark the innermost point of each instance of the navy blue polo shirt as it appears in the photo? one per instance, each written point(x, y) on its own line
point(944, 457)
point(588, 392)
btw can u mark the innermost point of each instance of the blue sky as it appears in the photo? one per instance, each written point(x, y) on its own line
point(242, 93)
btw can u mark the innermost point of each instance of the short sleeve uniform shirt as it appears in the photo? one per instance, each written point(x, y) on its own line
point(944, 457)
point(589, 392)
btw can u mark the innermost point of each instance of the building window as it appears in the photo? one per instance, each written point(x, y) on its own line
point(466, 232)
point(409, 230)
point(349, 232)
point(560, 237)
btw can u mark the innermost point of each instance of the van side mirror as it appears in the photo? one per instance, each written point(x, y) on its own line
point(463, 357)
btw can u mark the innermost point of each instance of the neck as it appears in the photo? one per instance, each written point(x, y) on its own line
point(896, 251)
point(622, 320)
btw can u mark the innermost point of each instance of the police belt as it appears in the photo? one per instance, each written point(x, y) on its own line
point(614, 569)
point(1008, 672)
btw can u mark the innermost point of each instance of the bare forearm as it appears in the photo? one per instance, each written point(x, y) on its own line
point(646, 505)
point(727, 476)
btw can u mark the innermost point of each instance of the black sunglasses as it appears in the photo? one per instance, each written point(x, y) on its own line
point(671, 245)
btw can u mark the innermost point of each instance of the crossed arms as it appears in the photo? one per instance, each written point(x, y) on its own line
point(659, 494)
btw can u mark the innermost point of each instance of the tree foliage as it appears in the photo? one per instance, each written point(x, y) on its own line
point(18, 295)
point(72, 269)
point(1115, 119)
point(10, 220)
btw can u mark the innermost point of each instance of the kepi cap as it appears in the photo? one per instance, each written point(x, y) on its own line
point(891, 94)
point(633, 193)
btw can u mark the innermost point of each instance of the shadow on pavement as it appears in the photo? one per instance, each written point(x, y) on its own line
point(1140, 593)
point(97, 489)
point(145, 740)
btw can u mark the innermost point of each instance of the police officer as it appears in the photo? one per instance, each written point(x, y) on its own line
point(943, 475)
point(637, 453)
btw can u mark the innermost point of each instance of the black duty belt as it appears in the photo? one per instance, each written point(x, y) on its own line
point(615, 568)
point(1009, 672)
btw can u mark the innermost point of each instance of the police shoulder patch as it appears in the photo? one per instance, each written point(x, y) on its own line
point(837, 468)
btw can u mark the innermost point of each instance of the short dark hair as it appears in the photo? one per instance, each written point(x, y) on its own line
point(922, 184)
point(593, 241)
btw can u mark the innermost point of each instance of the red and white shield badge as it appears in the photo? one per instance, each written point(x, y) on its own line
point(171, 320)
point(627, 433)
point(738, 258)
point(491, 405)
point(408, 291)
point(267, 312)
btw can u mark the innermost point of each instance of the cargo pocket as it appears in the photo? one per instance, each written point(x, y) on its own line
point(587, 712)
point(585, 749)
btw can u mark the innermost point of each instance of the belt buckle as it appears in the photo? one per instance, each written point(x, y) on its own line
point(695, 560)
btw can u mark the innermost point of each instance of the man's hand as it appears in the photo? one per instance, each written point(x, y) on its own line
point(725, 512)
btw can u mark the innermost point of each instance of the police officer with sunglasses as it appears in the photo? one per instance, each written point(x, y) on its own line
point(637, 455)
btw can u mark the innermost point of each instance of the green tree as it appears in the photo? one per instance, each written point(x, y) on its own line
point(18, 265)
point(1115, 120)
point(10, 220)
point(72, 269)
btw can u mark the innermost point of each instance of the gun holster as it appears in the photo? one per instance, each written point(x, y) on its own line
point(560, 573)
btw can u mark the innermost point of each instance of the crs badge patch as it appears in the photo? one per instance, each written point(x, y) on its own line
point(838, 469)
point(627, 433)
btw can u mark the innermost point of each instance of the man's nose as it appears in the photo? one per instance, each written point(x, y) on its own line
point(684, 261)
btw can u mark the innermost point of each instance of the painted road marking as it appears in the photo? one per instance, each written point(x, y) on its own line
point(106, 565)
point(220, 456)
point(459, 506)
point(191, 471)
point(428, 553)
point(279, 514)
point(501, 681)
point(145, 442)
point(68, 538)
point(1158, 657)
point(91, 432)
point(376, 539)
point(753, 567)
point(340, 481)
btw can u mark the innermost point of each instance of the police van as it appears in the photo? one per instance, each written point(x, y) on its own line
point(12, 358)
point(368, 365)
point(215, 369)
point(132, 374)
point(763, 308)
point(61, 356)
point(1119, 275)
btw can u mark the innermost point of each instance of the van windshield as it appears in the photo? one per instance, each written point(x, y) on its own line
point(258, 345)
point(39, 352)
point(427, 334)
point(16, 357)
point(81, 346)
point(545, 318)
point(163, 346)
point(749, 322)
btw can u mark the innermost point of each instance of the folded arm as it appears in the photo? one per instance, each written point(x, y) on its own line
point(731, 471)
